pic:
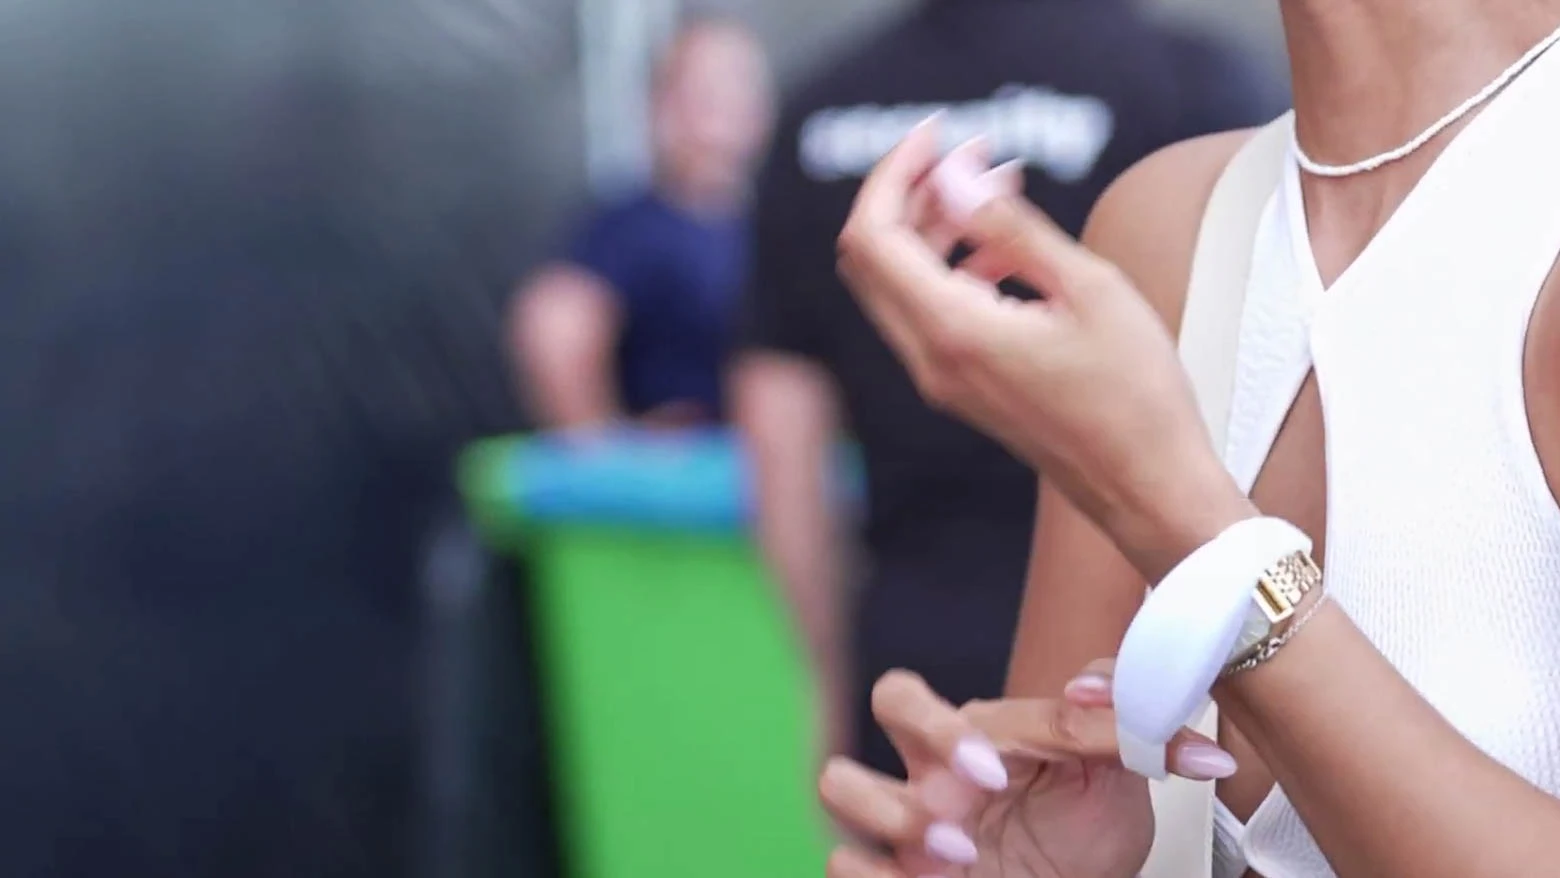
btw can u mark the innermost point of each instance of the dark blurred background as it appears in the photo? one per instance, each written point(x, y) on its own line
point(253, 263)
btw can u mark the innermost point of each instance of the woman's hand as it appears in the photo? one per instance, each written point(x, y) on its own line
point(1006, 789)
point(1084, 384)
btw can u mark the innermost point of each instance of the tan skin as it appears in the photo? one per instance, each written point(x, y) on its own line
point(1073, 563)
point(1288, 720)
point(1291, 484)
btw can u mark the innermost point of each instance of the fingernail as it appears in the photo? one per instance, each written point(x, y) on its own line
point(1200, 761)
point(977, 760)
point(948, 842)
point(1008, 176)
point(974, 149)
point(963, 184)
point(931, 119)
point(1087, 686)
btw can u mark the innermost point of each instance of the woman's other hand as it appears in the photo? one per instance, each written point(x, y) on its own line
point(1015, 788)
point(1084, 384)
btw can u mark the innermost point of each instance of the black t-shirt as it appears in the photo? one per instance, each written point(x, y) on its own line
point(1081, 89)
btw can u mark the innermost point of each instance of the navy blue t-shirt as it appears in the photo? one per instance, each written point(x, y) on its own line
point(678, 277)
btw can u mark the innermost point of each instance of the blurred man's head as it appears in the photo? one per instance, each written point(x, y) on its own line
point(713, 108)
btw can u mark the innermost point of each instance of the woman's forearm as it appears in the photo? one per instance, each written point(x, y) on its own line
point(1384, 783)
point(1079, 597)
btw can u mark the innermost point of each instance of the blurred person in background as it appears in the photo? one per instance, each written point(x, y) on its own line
point(1076, 92)
point(635, 321)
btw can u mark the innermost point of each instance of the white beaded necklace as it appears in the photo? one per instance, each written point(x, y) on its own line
point(1311, 166)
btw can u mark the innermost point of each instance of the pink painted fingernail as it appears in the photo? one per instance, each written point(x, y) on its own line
point(948, 842)
point(977, 760)
point(1009, 175)
point(963, 184)
point(1087, 686)
point(974, 149)
point(931, 119)
point(1200, 761)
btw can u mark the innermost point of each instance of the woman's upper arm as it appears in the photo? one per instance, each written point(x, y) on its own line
point(1080, 592)
point(1542, 379)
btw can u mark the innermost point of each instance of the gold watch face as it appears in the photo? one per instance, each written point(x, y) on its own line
point(1285, 584)
point(1274, 603)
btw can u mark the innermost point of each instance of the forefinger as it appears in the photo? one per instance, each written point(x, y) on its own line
point(884, 194)
point(890, 268)
point(1049, 728)
point(927, 729)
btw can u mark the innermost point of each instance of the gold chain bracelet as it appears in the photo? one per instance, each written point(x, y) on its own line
point(1272, 645)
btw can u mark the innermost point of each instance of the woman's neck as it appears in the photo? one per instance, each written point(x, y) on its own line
point(1369, 75)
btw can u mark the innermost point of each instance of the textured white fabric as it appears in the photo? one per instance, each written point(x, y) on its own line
point(1229, 861)
point(1443, 540)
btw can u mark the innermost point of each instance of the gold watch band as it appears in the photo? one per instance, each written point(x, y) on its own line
point(1284, 585)
point(1279, 591)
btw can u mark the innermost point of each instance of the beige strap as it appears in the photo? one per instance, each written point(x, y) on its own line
point(1210, 336)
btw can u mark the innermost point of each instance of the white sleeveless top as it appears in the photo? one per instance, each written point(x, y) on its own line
point(1443, 539)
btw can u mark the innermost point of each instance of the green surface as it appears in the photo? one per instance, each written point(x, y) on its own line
point(679, 711)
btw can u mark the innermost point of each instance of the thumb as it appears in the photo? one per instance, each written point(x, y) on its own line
point(1045, 727)
point(1056, 730)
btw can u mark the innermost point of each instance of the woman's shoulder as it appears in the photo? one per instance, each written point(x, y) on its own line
point(1146, 222)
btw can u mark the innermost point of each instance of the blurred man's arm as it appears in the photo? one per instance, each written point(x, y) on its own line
point(786, 407)
point(783, 397)
point(563, 334)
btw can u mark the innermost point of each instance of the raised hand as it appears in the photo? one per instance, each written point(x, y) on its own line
point(1013, 788)
point(1085, 383)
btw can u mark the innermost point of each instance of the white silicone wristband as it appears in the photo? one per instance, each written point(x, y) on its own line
point(1184, 633)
